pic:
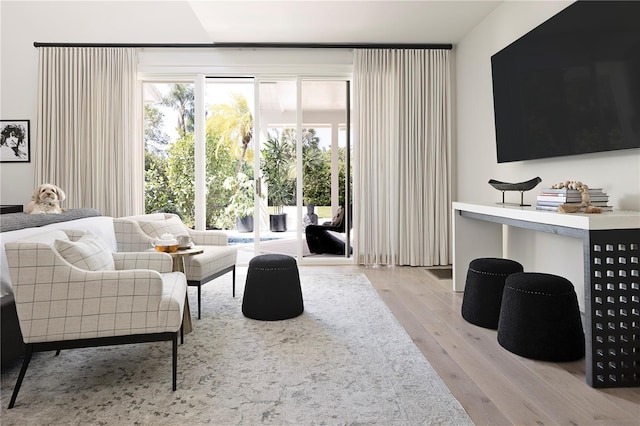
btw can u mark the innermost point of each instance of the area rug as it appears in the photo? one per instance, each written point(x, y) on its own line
point(345, 361)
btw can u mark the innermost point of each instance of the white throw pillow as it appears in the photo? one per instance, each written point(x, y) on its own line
point(157, 228)
point(89, 252)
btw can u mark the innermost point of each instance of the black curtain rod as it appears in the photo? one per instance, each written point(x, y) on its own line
point(259, 45)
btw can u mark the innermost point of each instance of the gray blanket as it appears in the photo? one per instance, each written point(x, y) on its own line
point(14, 221)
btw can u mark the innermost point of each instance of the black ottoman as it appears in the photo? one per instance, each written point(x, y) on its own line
point(272, 290)
point(540, 318)
point(483, 290)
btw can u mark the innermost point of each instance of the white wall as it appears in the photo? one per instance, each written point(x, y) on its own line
point(618, 173)
point(26, 22)
point(23, 23)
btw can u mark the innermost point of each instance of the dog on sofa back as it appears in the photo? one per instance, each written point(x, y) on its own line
point(46, 198)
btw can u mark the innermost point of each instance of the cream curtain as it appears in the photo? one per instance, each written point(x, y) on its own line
point(403, 127)
point(89, 137)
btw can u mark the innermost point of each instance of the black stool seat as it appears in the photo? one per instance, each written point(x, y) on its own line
point(272, 291)
point(540, 318)
point(483, 289)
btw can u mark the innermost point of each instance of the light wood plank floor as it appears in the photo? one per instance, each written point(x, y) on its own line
point(495, 386)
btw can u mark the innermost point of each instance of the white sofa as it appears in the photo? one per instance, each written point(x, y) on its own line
point(17, 226)
point(136, 233)
point(72, 291)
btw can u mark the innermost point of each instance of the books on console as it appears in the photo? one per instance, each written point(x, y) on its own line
point(550, 198)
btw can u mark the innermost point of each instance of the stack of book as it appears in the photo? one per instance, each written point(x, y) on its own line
point(551, 198)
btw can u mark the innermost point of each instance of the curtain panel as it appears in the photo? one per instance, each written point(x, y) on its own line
point(89, 136)
point(402, 106)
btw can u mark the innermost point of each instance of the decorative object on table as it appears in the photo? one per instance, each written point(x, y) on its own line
point(184, 242)
point(15, 141)
point(166, 243)
point(573, 197)
point(46, 199)
point(520, 186)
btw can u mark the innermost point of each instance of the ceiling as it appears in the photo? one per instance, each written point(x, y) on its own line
point(303, 21)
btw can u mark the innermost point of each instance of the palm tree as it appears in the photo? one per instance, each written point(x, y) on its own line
point(155, 139)
point(181, 98)
point(233, 121)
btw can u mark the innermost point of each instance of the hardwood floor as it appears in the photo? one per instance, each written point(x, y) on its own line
point(495, 386)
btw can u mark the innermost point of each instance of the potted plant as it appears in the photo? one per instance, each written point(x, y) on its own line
point(277, 156)
point(241, 201)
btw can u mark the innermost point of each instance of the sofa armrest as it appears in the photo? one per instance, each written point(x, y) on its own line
point(209, 238)
point(160, 262)
point(58, 301)
point(129, 236)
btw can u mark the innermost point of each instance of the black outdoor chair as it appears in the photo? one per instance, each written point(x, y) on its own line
point(320, 240)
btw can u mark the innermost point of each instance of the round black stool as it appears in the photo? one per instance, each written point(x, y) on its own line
point(540, 318)
point(483, 290)
point(272, 291)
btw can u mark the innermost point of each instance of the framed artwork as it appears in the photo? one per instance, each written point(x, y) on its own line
point(15, 141)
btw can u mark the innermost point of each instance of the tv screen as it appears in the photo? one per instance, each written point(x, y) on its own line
point(570, 86)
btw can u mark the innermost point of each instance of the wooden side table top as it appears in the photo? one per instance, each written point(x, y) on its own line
point(191, 251)
point(178, 257)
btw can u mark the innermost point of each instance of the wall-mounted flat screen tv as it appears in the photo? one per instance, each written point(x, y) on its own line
point(570, 86)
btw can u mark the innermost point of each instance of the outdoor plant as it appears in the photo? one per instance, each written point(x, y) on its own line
point(241, 201)
point(276, 165)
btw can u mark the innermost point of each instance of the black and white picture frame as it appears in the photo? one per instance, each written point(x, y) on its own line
point(15, 141)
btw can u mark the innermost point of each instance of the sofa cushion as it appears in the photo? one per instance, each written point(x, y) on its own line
point(88, 253)
point(214, 259)
point(156, 228)
point(338, 218)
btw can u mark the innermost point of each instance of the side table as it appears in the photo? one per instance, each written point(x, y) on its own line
point(178, 266)
point(10, 208)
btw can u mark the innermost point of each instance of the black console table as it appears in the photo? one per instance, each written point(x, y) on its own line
point(10, 208)
point(611, 249)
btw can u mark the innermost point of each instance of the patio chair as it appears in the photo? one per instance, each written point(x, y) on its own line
point(329, 237)
point(72, 292)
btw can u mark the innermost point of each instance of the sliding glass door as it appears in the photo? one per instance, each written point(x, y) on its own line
point(325, 168)
point(277, 160)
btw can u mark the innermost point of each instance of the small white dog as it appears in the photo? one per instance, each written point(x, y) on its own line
point(46, 198)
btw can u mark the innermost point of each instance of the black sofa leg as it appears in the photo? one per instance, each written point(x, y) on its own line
point(234, 281)
point(174, 343)
point(199, 298)
point(23, 371)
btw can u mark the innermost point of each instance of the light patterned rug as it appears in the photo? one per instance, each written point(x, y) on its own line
point(346, 360)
